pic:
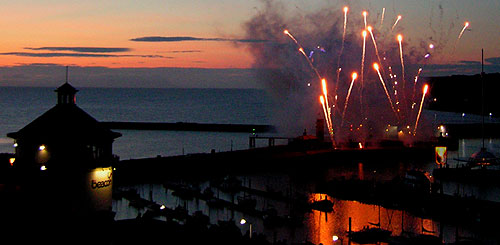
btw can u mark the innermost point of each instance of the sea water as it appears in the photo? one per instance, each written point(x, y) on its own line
point(21, 105)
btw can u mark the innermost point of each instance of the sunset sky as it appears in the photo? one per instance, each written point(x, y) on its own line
point(210, 34)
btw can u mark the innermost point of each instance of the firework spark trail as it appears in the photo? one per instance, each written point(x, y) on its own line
point(466, 24)
point(382, 18)
point(396, 22)
point(364, 17)
point(400, 39)
point(336, 88)
point(374, 43)
point(322, 101)
point(415, 87)
point(426, 87)
point(362, 70)
point(346, 9)
point(301, 50)
point(328, 124)
point(376, 67)
point(286, 32)
point(354, 76)
point(325, 94)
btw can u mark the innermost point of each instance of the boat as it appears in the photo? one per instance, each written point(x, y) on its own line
point(370, 235)
point(324, 205)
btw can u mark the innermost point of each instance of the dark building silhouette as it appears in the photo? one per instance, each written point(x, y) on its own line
point(63, 159)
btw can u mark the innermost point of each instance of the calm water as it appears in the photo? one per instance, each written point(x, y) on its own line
point(20, 106)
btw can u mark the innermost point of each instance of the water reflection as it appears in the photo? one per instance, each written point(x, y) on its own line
point(282, 194)
point(323, 226)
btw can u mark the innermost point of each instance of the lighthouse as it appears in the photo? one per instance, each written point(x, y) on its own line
point(64, 159)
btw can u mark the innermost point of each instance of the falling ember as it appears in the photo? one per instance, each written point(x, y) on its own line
point(466, 24)
point(376, 67)
point(426, 87)
point(396, 22)
point(354, 76)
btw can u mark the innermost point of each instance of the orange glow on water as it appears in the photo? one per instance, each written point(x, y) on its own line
point(323, 226)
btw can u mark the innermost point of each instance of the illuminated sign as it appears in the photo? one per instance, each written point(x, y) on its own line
point(99, 188)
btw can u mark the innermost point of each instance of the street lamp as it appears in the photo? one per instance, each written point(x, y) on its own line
point(336, 238)
point(244, 221)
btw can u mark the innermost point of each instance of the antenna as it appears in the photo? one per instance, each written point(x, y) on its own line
point(482, 95)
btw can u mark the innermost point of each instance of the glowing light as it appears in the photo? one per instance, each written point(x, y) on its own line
point(346, 9)
point(43, 168)
point(335, 238)
point(162, 207)
point(15, 145)
point(400, 38)
point(11, 161)
point(243, 221)
point(41, 148)
point(431, 46)
point(360, 145)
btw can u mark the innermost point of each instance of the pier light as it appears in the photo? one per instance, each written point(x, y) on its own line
point(243, 221)
point(336, 238)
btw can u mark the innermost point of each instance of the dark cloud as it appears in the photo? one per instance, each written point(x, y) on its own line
point(83, 49)
point(57, 54)
point(493, 60)
point(469, 62)
point(52, 75)
point(182, 51)
point(182, 39)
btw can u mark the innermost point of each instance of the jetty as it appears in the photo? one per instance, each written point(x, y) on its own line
point(190, 126)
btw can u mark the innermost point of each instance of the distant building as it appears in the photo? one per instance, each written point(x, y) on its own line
point(65, 156)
